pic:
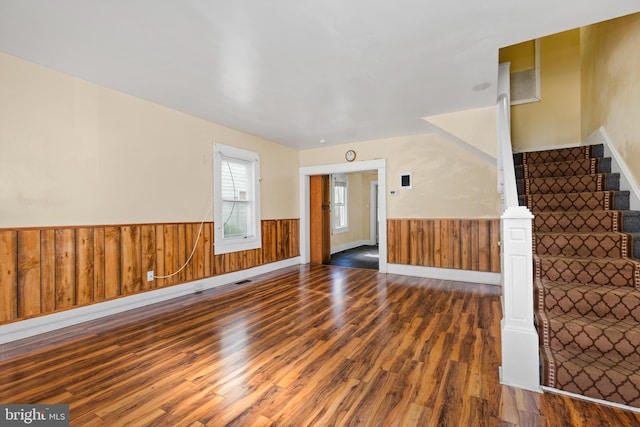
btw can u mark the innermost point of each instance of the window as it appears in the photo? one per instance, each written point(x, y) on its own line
point(236, 199)
point(340, 196)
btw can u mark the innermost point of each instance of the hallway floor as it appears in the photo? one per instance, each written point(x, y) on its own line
point(360, 257)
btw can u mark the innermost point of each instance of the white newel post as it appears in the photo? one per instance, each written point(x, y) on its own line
point(520, 358)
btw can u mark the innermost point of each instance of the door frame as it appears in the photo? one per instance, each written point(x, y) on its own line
point(365, 165)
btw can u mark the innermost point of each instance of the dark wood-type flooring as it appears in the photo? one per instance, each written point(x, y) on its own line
point(308, 345)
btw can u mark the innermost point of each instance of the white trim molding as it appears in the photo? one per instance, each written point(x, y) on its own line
point(50, 322)
point(618, 165)
point(378, 165)
point(453, 274)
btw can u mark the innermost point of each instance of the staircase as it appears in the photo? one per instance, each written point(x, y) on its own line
point(586, 273)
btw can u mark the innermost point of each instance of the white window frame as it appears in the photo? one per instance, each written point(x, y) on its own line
point(342, 178)
point(254, 241)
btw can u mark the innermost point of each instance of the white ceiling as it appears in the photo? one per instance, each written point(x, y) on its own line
point(293, 71)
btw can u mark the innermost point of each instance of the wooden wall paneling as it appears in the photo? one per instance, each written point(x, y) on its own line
point(475, 244)
point(484, 246)
point(160, 257)
point(495, 245)
point(465, 245)
point(269, 241)
point(181, 254)
point(437, 248)
point(296, 239)
point(28, 250)
point(199, 254)
point(455, 248)
point(48, 270)
point(84, 265)
point(171, 253)
point(427, 237)
point(415, 247)
point(207, 242)
point(131, 259)
point(189, 243)
point(391, 244)
point(147, 254)
point(112, 262)
point(99, 264)
point(283, 239)
point(65, 267)
point(8, 275)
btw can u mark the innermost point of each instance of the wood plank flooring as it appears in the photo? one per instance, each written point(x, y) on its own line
point(305, 346)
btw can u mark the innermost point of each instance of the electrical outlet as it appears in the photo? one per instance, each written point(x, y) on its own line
point(198, 287)
point(150, 276)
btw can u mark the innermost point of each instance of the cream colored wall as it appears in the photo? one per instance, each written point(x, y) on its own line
point(75, 153)
point(448, 182)
point(555, 120)
point(611, 85)
point(476, 127)
point(359, 210)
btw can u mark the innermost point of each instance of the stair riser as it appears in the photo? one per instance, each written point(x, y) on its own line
point(618, 308)
point(607, 246)
point(559, 155)
point(581, 184)
point(577, 222)
point(569, 270)
point(597, 201)
point(582, 167)
point(609, 343)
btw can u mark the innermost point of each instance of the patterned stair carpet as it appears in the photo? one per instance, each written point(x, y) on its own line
point(587, 280)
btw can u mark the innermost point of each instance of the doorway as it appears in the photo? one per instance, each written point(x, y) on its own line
point(305, 191)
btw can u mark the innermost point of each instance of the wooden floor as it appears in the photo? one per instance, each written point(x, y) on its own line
point(308, 345)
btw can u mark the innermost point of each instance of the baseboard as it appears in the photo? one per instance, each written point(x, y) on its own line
point(350, 245)
point(50, 322)
point(446, 274)
point(618, 165)
point(590, 399)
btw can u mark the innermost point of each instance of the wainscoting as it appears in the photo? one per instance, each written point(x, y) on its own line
point(466, 244)
point(44, 270)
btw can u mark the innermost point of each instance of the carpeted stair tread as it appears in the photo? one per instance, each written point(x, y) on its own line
point(570, 184)
point(592, 376)
point(571, 202)
point(565, 154)
point(605, 271)
point(577, 221)
point(560, 169)
point(605, 337)
point(585, 244)
point(621, 303)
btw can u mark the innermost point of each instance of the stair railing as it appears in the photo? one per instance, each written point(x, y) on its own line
point(520, 359)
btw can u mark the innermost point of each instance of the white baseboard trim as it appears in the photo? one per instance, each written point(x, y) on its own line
point(50, 322)
point(446, 274)
point(350, 245)
point(590, 399)
point(618, 165)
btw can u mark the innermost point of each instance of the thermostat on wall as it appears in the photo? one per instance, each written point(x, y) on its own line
point(405, 180)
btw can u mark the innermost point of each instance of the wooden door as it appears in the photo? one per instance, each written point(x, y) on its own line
point(320, 220)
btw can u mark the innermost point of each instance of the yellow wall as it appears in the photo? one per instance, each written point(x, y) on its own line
point(75, 153)
point(555, 120)
point(611, 85)
point(359, 209)
point(448, 182)
point(521, 56)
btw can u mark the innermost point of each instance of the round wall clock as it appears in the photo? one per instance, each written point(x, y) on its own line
point(350, 156)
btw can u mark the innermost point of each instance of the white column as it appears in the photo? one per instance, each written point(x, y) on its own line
point(520, 357)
